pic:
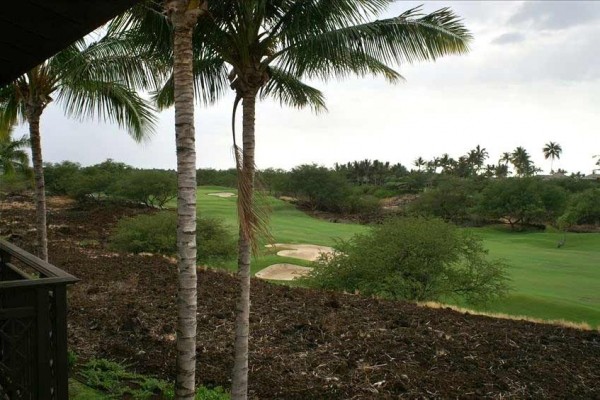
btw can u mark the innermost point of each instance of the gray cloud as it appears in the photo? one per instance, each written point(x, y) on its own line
point(553, 15)
point(509, 38)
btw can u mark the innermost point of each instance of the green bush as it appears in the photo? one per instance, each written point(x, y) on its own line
point(15, 183)
point(157, 233)
point(583, 208)
point(58, 176)
point(154, 188)
point(414, 259)
point(452, 200)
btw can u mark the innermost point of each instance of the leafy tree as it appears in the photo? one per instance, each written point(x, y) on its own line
point(321, 188)
point(451, 200)
point(551, 151)
point(154, 188)
point(414, 259)
point(58, 176)
point(88, 80)
point(522, 201)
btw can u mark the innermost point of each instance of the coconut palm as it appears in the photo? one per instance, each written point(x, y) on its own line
point(183, 16)
point(13, 158)
point(419, 163)
point(551, 151)
point(263, 48)
point(88, 80)
point(477, 157)
point(522, 162)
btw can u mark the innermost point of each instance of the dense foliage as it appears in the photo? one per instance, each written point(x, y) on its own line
point(414, 259)
point(469, 201)
point(158, 234)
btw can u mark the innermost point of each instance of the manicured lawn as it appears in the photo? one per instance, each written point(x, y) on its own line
point(548, 282)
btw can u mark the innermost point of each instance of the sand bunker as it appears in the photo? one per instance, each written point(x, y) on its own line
point(309, 252)
point(283, 272)
point(223, 194)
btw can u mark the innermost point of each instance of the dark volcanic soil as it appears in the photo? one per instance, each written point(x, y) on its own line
point(305, 344)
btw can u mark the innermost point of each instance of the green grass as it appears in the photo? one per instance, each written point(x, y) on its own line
point(104, 379)
point(288, 225)
point(548, 282)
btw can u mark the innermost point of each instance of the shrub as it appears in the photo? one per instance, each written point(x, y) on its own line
point(157, 233)
point(154, 188)
point(583, 208)
point(413, 259)
point(15, 183)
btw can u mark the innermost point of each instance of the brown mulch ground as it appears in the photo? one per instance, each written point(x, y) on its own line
point(305, 344)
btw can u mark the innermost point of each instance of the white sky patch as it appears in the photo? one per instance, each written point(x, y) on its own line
point(541, 84)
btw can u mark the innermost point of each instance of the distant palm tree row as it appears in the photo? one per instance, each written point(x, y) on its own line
point(474, 162)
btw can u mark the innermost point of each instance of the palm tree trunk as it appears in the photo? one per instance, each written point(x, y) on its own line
point(239, 390)
point(184, 21)
point(34, 113)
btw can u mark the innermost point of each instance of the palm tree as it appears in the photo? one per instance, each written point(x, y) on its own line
point(183, 15)
point(522, 162)
point(419, 163)
point(13, 158)
point(477, 157)
point(264, 48)
point(551, 151)
point(88, 81)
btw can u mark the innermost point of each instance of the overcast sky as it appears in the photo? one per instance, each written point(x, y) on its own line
point(532, 76)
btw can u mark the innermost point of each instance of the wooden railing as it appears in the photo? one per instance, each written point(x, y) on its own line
point(33, 327)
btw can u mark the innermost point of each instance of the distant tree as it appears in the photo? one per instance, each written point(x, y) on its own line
point(552, 151)
point(319, 188)
point(153, 188)
point(477, 157)
point(522, 201)
point(521, 161)
point(451, 200)
point(419, 163)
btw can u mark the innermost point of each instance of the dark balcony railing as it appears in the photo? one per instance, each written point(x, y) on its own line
point(33, 327)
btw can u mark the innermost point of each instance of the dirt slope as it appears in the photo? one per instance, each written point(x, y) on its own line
point(305, 344)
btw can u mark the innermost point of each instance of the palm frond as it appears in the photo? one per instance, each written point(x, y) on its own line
point(289, 90)
point(210, 83)
point(12, 108)
point(109, 101)
point(407, 38)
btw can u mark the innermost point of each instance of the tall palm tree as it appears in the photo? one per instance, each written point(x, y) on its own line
point(183, 16)
point(551, 151)
point(88, 80)
point(264, 48)
point(13, 158)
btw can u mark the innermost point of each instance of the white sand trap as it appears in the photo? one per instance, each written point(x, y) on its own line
point(223, 194)
point(283, 272)
point(308, 252)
